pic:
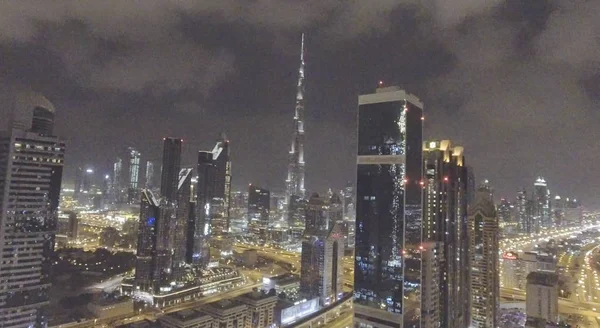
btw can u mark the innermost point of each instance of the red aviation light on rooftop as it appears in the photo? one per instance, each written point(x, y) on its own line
point(446, 179)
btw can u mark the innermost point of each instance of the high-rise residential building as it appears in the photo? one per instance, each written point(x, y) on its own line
point(204, 195)
point(542, 299)
point(485, 280)
point(471, 185)
point(259, 204)
point(541, 204)
point(31, 165)
point(133, 174)
point(432, 254)
point(445, 225)
point(295, 177)
point(387, 273)
point(145, 264)
point(322, 266)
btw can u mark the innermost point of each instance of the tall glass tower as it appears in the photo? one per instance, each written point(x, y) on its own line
point(387, 274)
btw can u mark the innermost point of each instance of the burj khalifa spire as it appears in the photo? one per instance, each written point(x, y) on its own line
point(295, 177)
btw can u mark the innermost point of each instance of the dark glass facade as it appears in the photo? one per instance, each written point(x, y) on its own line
point(147, 240)
point(388, 210)
point(171, 163)
point(259, 205)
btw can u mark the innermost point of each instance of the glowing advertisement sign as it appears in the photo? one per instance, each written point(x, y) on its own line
point(510, 256)
point(299, 311)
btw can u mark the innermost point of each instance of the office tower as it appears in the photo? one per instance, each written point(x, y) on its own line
point(295, 178)
point(204, 196)
point(31, 165)
point(221, 200)
point(259, 205)
point(171, 165)
point(542, 299)
point(445, 225)
point(483, 239)
point(179, 227)
point(145, 264)
point(541, 204)
point(151, 173)
point(387, 273)
point(573, 212)
point(133, 174)
point(322, 266)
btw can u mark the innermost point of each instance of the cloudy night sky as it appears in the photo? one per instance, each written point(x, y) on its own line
point(516, 82)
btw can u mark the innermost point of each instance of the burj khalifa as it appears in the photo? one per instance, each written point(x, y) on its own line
point(295, 178)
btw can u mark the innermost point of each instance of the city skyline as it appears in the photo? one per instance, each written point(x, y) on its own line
point(511, 102)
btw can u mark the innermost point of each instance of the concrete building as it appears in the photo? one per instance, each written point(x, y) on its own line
point(261, 308)
point(483, 238)
point(542, 297)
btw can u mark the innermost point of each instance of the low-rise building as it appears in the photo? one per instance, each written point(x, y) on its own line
point(282, 283)
point(109, 308)
point(188, 318)
point(542, 297)
point(261, 308)
point(228, 313)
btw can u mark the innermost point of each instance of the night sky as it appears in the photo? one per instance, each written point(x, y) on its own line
point(516, 82)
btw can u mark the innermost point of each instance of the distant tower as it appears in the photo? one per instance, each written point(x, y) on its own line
point(321, 269)
point(541, 204)
point(295, 177)
point(483, 239)
point(134, 174)
point(31, 166)
point(171, 162)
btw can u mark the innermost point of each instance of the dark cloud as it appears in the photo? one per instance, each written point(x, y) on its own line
point(515, 82)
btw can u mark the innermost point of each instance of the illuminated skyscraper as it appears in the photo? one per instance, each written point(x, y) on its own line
point(387, 273)
point(541, 204)
point(295, 177)
point(445, 227)
point(485, 280)
point(133, 174)
point(524, 217)
point(31, 165)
